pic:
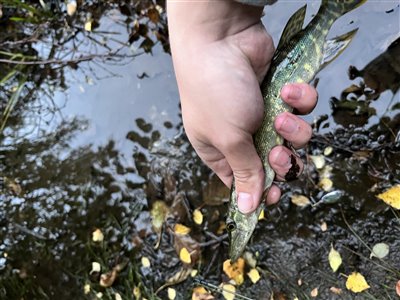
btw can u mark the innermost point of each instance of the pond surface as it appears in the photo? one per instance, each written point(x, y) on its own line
point(95, 144)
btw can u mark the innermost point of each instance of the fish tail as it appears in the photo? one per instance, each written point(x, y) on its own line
point(340, 7)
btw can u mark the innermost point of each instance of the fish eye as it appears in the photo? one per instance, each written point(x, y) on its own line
point(231, 226)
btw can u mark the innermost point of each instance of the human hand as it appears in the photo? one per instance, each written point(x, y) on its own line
point(220, 56)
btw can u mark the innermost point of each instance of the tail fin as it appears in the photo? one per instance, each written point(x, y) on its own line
point(340, 7)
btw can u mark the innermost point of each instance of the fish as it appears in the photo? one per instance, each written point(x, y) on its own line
point(300, 54)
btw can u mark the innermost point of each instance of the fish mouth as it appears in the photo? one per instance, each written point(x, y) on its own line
point(238, 241)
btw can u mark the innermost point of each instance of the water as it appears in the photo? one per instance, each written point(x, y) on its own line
point(97, 146)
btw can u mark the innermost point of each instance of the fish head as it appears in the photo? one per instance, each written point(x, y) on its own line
point(240, 228)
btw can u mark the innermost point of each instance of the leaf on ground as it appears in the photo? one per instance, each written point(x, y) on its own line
point(176, 278)
point(249, 259)
point(254, 275)
point(158, 214)
point(200, 293)
point(181, 229)
point(314, 293)
point(107, 279)
point(184, 256)
point(97, 236)
point(335, 290)
point(88, 25)
point(328, 151)
point(324, 226)
point(380, 250)
point(391, 196)
point(356, 283)
point(318, 161)
point(300, 200)
point(86, 289)
point(221, 227)
point(335, 260)
point(228, 291)
point(198, 216)
point(234, 270)
point(145, 262)
point(96, 267)
point(171, 293)
point(71, 7)
point(398, 288)
point(326, 184)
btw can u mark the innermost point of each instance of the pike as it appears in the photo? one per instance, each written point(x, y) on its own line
point(300, 54)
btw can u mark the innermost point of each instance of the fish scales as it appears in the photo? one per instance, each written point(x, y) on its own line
point(296, 59)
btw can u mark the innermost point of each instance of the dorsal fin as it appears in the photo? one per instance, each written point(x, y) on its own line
point(293, 26)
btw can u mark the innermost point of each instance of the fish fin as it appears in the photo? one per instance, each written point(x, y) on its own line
point(293, 26)
point(334, 47)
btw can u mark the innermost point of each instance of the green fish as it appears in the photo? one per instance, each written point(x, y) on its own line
point(300, 54)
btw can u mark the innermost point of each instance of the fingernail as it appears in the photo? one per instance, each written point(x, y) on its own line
point(286, 124)
point(283, 160)
point(294, 92)
point(245, 202)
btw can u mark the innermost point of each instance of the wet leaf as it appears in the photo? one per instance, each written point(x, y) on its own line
point(336, 290)
point(178, 277)
point(228, 291)
point(181, 229)
point(137, 293)
point(335, 260)
point(193, 273)
point(171, 293)
point(234, 270)
point(145, 262)
point(300, 200)
point(88, 25)
point(391, 196)
point(96, 268)
point(318, 161)
point(249, 259)
point(326, 184)
point(314, 293)
point(262, 215)
point(324, 226)
point(380, 250)
point(13, 186)
point(118, 296)
point(153, 15)
point(356, 283)
point(158, 214)
point(184, 256)
point(97, 236)
point(398, 288)
point(107, 279)
point(99, 295)
point(200, 293)
point(328, 151)
point(254, 275)
point(197, 216)
point(86, 289)
point(71, 7)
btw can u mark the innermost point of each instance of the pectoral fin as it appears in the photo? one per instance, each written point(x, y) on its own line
point(293, 26)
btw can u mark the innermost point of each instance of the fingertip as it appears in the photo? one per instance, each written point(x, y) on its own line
point(274, 194)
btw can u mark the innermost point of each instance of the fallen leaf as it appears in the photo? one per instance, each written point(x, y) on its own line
point(193, 273)
point(262, 215)
point(398, 288)
point(107, 279)
point(99, 295)
point(326, 184)
point(254, 275)
point(176, 278)
point(96, 268)
point(137, 293)
point(234, 270)
point(249, 259)
point(391, 196)
point(158, 214)
point(314, 293)
point(228, 291)
point(300, 200)
point(145, 262)
point(299, 282)
point(328, 151)
point(184, 255)
point(318, 161)
point(86, 289)
point(336, 290)
point(88, 25)
point(171, 293)
point(324, 226)
point(221, 228)
point(197, 216)
point(97, 236)
point(335, 260)
point(200, 293)
point(356, 283)
point(380, 250)
point(71, 7)
point(181, 229)
point(118, 296)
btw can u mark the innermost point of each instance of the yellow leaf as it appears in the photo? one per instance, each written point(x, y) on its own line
point(326, 184)
point(261, 216)
point(145, 262)
point(228, 291)
point(324, 226)
point(335, 260)
point(184, 255)
point(318, 161)
point(181, 229)
point(97, 236)
point(336, 290)
point(158, 213)
point(86, 289)
point(118, 296)
point(197, 216)
point(314, 293)
point(88, 25)
point(328, 151)
point(193, 273)
point(391, 196)
point(99, 295)
point(137, 293)
point(234, 270)
point(300, 200)
point(200, 293)
point(356, 283)
point(171, 293)
point(96, 267)
point(254, 275)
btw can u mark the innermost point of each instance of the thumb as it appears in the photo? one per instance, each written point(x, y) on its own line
point(248, 173)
